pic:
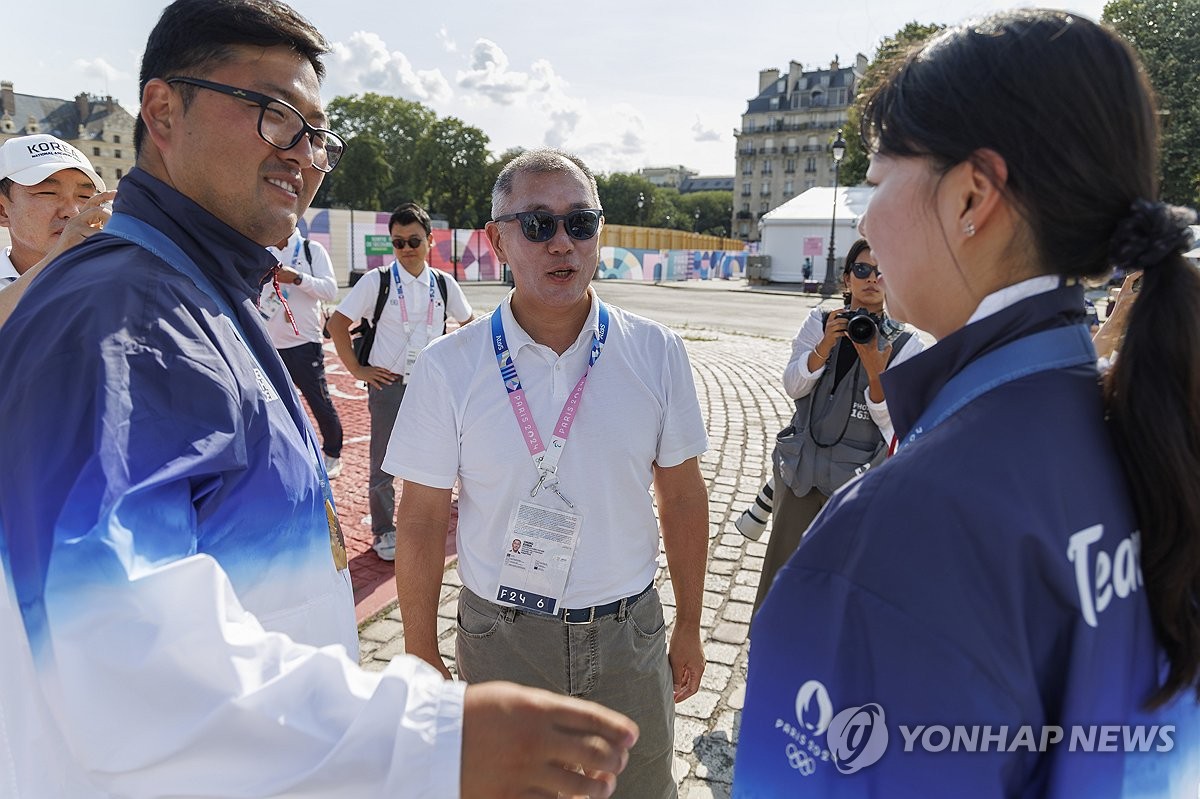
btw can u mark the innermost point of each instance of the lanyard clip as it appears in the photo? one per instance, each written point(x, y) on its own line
point(544, 475)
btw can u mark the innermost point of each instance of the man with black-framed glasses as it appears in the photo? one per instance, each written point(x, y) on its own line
point(556, 414)
point(176, 615)
point(418, 300)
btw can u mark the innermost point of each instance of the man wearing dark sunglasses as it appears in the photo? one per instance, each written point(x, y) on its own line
point(555, 415)
point(419, 300)
point(176, 615)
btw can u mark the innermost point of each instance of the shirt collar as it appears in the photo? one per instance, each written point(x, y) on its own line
point(1010, 295)
point(409, 278)
point(518, 338)
point(288, 248)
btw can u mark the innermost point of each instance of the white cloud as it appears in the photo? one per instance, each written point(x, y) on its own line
point(448, 44)
point(100, 69)
point(364, 64)
point(701, 133)
point(490, 77)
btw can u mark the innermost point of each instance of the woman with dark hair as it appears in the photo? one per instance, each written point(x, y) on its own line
point(841, 425)
point(1014, 597)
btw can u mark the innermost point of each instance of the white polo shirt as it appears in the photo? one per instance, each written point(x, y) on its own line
point(8, 272)
point(639, 407)
point(391, 341)
point(304, 300)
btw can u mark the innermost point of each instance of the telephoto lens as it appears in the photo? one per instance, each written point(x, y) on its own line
point(753, 520)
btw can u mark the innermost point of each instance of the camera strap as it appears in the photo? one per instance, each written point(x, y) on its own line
point(1059, 348)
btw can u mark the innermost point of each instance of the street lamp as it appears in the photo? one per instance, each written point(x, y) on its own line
point(830, 286)
point(696, 224)
point(641, 202)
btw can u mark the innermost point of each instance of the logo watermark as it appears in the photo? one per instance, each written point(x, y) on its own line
point(858, 736)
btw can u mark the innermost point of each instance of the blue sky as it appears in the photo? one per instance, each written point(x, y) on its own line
point(625, 84)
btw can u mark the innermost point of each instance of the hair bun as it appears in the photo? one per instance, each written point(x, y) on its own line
point(1151, 232)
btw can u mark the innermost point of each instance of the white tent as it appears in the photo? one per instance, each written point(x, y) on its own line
point(799, 229)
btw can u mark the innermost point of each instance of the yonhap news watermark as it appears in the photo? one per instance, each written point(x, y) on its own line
point(1028, 738)
point(858, 736)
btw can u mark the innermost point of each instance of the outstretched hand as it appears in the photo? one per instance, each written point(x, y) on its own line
point(528, 742)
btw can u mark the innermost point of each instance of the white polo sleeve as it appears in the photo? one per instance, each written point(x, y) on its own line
point(423, 446)
point(682, 435)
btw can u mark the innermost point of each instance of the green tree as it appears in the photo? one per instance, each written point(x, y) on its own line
point(399, 125)
point(1166, 34)
point(619, 193)
point(453, 168)
point(361, 178)
point(853, 169)
point(714, 207)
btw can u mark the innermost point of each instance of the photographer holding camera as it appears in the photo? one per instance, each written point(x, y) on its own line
point(841, 425)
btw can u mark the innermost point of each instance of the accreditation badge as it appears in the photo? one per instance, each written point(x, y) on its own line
point(538, 551)
point(410, 359)
point(269, 305)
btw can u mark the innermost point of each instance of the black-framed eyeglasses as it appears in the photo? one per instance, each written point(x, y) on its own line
point(280, 124)
point(539, 226)
point(863, 270)
point(411, 241)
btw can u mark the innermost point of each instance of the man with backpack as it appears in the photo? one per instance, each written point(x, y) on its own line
point(305, 279)
point(403, 307)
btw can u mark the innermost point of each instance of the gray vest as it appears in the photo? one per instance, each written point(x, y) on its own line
point(831, 437)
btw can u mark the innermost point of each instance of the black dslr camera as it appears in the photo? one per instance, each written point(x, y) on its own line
point(862, 326)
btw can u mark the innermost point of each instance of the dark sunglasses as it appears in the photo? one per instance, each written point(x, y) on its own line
point(411, 241)
point(538, 226)
point(280, 124)
point(862, 271)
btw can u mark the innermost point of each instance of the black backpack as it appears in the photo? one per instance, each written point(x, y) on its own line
point(363, 335)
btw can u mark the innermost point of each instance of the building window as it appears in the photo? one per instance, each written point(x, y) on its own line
point(116, 139)
point(746, 189)
point(96, 151)
point(116, 153)
point(743, 230)
point(764, 206)
point(766, 166)
point(810, 183)
point(746, 208)
point(120, 174)
point(790, 166)
point(810, 164)
point(747, 167)
point(774, 103)
point(766, 187)
point(99, 172)
point(788, 188)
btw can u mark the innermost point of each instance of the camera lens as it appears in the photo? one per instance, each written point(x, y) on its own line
point(861, 329)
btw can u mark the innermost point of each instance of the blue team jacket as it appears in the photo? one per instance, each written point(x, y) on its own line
point(136, 433)
point(953, 612)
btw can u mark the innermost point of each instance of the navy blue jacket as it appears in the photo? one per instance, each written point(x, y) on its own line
point(980, 590)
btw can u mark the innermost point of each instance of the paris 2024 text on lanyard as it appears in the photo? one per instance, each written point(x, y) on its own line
point(541, 541)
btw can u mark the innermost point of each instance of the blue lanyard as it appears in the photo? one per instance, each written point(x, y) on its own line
point(1059, 348)
point(404, 307)
point(157, 243)
point(545, 461)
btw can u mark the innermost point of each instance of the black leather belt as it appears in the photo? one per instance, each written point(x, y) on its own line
point(589, 615)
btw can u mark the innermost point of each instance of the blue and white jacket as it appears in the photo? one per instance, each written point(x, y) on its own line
point(954, 612)
point(171, 616)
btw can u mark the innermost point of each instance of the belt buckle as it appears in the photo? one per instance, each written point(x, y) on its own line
point(591, 616)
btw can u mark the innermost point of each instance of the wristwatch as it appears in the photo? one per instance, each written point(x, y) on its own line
point(299, 278)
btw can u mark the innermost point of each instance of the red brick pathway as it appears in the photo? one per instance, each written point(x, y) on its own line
point(374, 579)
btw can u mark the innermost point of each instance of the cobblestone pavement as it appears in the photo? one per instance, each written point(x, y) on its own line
point(738, 384)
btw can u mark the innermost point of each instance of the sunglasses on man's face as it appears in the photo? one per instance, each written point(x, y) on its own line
point(862, 270)
point(539, 226)
point(411, 241)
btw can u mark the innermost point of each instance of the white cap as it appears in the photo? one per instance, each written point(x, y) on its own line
point(29, 160)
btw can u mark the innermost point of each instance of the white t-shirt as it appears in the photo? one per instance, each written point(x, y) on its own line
point(305, 300)
point(639, 407)
point(391, 340)
point(8, 272)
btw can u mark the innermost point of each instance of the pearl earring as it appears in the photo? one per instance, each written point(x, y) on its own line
point(969, 228)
